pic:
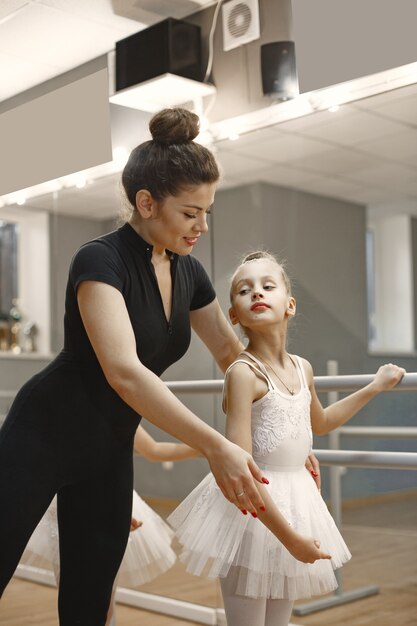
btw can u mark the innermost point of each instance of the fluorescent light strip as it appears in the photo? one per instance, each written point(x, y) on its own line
point(313, 101)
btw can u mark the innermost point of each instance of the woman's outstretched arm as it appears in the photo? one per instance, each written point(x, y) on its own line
point(214, 330)
point(110, 332)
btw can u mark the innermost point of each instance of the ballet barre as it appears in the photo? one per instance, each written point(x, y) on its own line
point(356, 458)
point(334, 457)
point(323, 384)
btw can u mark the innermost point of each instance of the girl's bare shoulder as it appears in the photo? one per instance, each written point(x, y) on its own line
point(242, 369)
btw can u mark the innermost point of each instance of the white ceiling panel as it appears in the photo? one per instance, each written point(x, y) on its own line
point(282, 148)
point(373, 102)
point(404, 110)
point(41, 39)
point(398, 147)
point(286, 177)
point(97, 11)
point(388, 175)
point(409, 187)
point(319, 118)
point(354, 128)
point(42, 33)
point(21, 73)
point(336, 161)
point(332, 187)
point(154, 10)
point(373, 195)
point(237, 165)
point(8, 7)
point(247, 139)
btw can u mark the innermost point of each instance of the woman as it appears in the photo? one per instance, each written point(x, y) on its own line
point(131, 298)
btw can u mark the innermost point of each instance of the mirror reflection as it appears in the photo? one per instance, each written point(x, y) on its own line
point(310, 190)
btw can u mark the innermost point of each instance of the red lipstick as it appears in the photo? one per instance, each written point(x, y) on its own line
point(259, 305)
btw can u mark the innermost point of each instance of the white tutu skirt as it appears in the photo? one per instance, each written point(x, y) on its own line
point(218, 540)
point(148, 552)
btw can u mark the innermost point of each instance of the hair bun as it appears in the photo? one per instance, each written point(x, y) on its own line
point(174, 126)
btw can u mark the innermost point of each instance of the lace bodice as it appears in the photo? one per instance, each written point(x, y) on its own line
point(281, 426)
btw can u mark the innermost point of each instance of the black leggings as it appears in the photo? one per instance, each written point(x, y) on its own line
point(55, 441)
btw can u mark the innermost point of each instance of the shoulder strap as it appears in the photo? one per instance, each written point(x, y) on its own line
point(262, 368)
point(252, 366)
point(302, 372)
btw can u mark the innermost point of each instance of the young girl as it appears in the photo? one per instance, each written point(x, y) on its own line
point(271, 408)
point(148, 552)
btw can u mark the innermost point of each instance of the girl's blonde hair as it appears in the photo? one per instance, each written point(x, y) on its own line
point(260, 255)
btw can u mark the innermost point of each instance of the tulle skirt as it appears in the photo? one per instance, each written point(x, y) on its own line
point(148, 552)
point(218, 540)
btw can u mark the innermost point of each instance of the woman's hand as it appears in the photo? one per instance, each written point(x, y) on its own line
point(313, 467)
point(387, 377)
point(306, 549)
point(235, 472)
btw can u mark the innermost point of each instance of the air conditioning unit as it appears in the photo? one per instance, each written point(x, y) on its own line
point(240, 23)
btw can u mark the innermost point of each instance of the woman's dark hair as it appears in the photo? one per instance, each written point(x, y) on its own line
point(171, 161)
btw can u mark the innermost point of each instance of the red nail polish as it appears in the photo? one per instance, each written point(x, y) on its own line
point(244, 511)
point(254, 515)
point(265, 480)
point(262, 508)
point(313, 473)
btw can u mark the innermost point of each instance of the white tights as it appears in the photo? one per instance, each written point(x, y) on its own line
point(244, 611)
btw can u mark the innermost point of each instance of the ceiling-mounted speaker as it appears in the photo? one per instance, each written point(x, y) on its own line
point(279, 71)
point(240, 23)
point(170, 46)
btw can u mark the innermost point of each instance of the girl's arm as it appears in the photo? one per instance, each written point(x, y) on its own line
point(107, 323)
point(242, 388)
point(154, 450)
point(338, 413)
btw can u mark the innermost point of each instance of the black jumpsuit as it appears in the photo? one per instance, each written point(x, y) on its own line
point(68, 432)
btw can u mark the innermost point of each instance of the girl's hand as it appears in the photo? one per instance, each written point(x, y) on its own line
point(235, 472)
point(313, 467)
point(306, 549)
point(387, 377)
point(135, 524)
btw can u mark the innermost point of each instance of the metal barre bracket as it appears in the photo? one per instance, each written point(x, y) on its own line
point(336, 599)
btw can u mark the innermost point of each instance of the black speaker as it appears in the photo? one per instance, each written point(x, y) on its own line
point(279, 72)
point(171, 46)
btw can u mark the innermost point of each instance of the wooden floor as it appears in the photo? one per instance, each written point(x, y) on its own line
point(382, 539)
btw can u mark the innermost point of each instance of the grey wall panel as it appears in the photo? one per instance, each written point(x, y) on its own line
point(337, 41)
point(65, 121)
point(67, 234)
